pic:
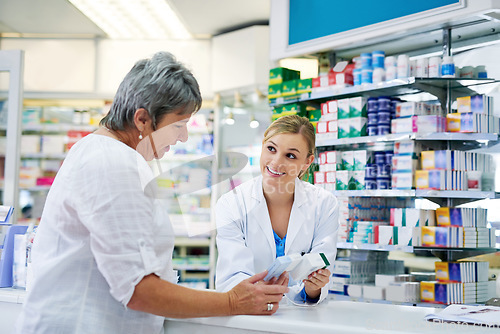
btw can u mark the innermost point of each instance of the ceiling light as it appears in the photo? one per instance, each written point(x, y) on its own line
point(238, 100)
point(229, 119)
point(134, 19)
point(253, 122)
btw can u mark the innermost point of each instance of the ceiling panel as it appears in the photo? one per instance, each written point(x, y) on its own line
point(44, 17)
point(203, 18)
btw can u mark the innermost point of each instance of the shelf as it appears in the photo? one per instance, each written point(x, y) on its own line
point(58, 127)
point(375, 193)
point(191, 267)
point(325, 141)
point(445, 254)
point(416, 193)
point(35, 188)
point(192, 242)
point(375, 247)
point(455, 194)
point(48, 156)
point(395, 87)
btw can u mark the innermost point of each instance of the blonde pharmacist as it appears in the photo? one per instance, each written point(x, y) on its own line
point(277, 214)
point(102, 254)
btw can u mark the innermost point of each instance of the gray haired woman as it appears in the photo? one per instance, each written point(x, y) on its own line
point(102, 256)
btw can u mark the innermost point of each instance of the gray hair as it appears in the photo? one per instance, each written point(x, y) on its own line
point(160, 85)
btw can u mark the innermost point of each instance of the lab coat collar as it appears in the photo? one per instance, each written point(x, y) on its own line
point(297, 217)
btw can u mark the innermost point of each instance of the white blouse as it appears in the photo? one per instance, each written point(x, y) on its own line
point(99, 235)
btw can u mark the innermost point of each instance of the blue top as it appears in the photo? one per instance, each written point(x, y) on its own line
point(280, 251)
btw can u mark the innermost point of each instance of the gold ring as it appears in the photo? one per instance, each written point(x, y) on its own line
point(270, 306)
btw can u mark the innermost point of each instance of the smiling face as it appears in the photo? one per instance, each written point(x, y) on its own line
point(170, 129)
point(284, 156)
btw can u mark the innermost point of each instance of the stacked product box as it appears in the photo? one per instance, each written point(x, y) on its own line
point(474, 114)
point(333, 79)
point(344, 226)
point(282, 81)
point(457, 282)
point(327, 127)
point(449, 170)
point(402, 224)
point(449, 236)
point(400, 288)
point(351, 114)
point(380, 112)
point(297, 108)
point(418, 117)
point(347, 273)
point(404, 164)
point(325, 177)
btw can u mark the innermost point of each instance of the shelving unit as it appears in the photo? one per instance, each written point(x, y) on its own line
point(445, 90)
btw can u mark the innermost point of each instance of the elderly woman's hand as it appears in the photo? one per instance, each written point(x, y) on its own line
point(253, 297)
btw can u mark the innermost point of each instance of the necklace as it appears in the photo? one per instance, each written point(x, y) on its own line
point(113, 133)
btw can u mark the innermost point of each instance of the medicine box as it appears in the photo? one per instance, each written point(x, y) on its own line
point(274, 91)
point(343, 108)
point(304, 86)
point(357, 127)
point(342, 179)
point(362, 158)
point(356, 180)
point(357, 106)
point(344, 128)
point(289, 89)
point(347, 160)
point(402, 180)
point(280, 74)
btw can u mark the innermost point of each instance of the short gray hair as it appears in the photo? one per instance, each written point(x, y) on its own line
point(160, 85)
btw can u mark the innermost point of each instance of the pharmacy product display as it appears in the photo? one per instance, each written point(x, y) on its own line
point(48, 132)
point(378, 151)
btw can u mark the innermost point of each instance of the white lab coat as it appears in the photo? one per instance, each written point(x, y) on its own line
point(245, 238)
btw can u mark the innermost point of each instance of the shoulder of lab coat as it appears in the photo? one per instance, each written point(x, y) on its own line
point(245, 238)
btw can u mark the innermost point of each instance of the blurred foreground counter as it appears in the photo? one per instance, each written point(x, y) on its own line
point(332, 316)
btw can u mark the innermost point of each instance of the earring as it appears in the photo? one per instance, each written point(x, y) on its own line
point(140, 135)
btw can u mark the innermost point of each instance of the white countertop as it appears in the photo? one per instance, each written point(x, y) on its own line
point(10, 295)
point(333, 317)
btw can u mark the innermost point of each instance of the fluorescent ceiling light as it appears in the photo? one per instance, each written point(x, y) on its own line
point(134, 19)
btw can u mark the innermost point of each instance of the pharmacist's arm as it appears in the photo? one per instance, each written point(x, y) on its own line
point(235, 261)
point(156, 296)
point(325, 241)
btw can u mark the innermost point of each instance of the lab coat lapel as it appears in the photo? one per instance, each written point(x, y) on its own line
point(297, 216)
point(260, 214)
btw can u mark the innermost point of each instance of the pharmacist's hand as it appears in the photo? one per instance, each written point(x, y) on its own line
point(315, 281)
point(282, 280)
point(248, 297)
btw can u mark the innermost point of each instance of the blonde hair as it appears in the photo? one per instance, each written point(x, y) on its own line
point(293, 124)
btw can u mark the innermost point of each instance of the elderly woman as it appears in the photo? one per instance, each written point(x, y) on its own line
point(102, 255)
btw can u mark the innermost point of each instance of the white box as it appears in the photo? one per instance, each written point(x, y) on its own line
point(373, 292)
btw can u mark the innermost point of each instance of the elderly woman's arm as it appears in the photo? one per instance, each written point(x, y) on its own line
point(154, 295)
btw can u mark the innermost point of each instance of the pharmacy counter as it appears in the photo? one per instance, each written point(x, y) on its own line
point(330, 317)
point(11, 303)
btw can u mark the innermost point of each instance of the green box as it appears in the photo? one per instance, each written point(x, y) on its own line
point(294, 109)
point(344, 128)
point(304, 86)
point(281, 74)
point(274, 91)
point(314, 115)
point(343, 108)
point(289, 88)
point(342, 178)
point(357, 126)
point(357, 106)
